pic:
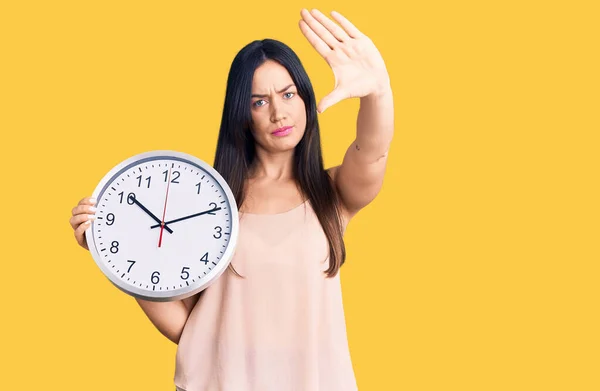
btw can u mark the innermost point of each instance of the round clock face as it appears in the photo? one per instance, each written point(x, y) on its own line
point(166, 225)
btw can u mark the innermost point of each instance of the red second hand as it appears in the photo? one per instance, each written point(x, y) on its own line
point(162, 223)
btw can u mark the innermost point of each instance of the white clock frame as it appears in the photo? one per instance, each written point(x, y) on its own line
point(189, 289)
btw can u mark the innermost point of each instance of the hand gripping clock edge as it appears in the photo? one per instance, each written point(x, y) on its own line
point(134, 199)
point(187, 217)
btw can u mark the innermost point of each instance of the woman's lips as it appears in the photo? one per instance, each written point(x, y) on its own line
point(283, 131)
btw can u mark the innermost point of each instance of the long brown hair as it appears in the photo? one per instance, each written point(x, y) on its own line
point(236, 146)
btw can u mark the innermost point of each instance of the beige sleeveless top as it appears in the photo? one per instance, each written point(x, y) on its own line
point(281, 328)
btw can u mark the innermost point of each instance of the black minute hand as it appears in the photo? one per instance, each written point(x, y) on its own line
point(188, 217)
point(169, 230)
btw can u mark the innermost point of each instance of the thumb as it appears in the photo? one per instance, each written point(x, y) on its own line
point(332, 98)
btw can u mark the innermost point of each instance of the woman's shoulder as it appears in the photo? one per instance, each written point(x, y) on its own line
point(332, 171)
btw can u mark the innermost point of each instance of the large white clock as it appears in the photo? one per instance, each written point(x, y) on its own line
point(166, 225)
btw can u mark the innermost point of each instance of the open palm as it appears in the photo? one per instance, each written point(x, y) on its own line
point(357, 65)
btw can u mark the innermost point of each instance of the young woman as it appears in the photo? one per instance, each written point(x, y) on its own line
point(275, 320)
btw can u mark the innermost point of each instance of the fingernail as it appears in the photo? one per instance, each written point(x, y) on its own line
point(91, 217)
point(93, 200)
point(92, 208)
point(87, 222)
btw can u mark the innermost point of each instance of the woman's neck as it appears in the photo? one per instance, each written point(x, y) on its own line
point(272, 166)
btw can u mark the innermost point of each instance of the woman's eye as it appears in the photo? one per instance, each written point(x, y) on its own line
point(257, 103)
point(289, 93)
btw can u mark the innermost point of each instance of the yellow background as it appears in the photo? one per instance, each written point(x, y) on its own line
point(475, 269)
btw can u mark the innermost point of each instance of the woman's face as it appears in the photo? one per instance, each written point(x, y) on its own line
point(278, 112)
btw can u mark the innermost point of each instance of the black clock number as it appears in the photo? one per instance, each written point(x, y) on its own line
point(110, 218)
point(114, 248)
point(185, 271)
point(130, 198)
point(155, 277)
point(198, 186)
point(175, 174)
point(204, 259)
point(140, 181)
point(130, 266)
point(219, 229)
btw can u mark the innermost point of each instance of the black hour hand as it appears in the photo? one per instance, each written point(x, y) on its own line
point(169, 230)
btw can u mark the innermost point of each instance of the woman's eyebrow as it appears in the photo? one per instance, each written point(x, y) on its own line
point(279, 92)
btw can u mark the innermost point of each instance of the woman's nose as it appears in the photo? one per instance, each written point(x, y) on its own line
point(277, 112)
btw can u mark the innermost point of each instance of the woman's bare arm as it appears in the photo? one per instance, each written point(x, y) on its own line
point(360, 72)
point(168, 317)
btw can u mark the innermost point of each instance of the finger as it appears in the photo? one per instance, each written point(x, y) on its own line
point(346, 24)
point(321, 47)
point(77, 220)
point(83, 209)
point(87, 201)
point(80, 234)
point(333, 28)
point(334, 97)
point(321, 32)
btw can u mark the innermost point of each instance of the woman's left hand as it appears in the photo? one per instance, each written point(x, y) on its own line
point(357, 65)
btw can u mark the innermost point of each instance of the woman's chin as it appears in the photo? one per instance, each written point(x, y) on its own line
point(283, 144)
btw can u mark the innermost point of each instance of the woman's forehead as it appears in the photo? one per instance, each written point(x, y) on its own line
point(270, 76)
